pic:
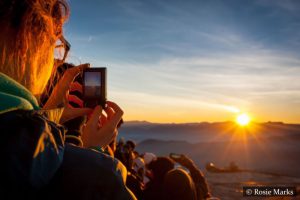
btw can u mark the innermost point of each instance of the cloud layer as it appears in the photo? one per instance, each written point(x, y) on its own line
point(176, 61)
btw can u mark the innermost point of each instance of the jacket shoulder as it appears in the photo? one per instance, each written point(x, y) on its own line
point(88, 174)
point(32, 148)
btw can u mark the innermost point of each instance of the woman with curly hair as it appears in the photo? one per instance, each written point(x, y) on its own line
point(36, 163)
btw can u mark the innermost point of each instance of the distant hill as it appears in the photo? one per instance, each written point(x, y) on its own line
point(136, 123)
point(223, 129)
point(271, 147)
point(262, 149)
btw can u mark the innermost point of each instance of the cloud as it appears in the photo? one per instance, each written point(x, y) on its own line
point(216, 82)
point(149, 101)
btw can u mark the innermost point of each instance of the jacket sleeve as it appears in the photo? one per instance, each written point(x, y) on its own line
point(200, 182)
point(31, 148)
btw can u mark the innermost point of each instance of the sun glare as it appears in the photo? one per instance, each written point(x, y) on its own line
point(243, 119)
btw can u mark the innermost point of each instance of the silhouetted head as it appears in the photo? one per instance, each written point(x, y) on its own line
point(130, 144)
point(160, 167)
point(178, 185)
point(149, 157)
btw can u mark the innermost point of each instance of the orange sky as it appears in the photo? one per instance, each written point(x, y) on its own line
point(180, 110)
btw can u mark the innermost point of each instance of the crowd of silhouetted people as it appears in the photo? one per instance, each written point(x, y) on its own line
point(153, 177)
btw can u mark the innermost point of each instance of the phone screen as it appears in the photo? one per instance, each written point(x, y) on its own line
point(92, 83)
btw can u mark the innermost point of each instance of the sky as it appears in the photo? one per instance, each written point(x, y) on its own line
point(193, 60)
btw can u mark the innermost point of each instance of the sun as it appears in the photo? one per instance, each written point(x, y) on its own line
point(243, 119)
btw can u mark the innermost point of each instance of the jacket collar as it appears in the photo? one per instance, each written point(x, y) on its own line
point(14, 96)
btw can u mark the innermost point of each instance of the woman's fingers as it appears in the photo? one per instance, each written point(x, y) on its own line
point(110, 112)
point(71, 113)
point(102, 120)
point(93, 135)
point(71, 73)
point(62, 87)
point(114, 106)
point(75, 99)
point(94, 119)
point(115, 119)
point(82, 67)
point(75, 86)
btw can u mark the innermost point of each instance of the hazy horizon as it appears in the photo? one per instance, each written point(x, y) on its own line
point(191, 122)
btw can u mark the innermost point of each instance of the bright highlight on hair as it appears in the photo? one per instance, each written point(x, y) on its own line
point(29, 31)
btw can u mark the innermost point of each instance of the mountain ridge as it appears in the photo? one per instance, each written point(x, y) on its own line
point(136, 122)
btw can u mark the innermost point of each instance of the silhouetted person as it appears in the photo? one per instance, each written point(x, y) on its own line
point(197, 176)
point(179, 185)
point(159, 168)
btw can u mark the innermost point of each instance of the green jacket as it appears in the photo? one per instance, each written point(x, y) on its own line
point(32, 146)
point(36, 164)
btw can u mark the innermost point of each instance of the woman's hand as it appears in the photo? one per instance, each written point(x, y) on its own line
point(184, 161)
point(100, 130)
point(58, 97)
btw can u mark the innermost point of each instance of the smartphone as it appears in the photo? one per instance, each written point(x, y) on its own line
point(175, 156)
point(94, 87)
